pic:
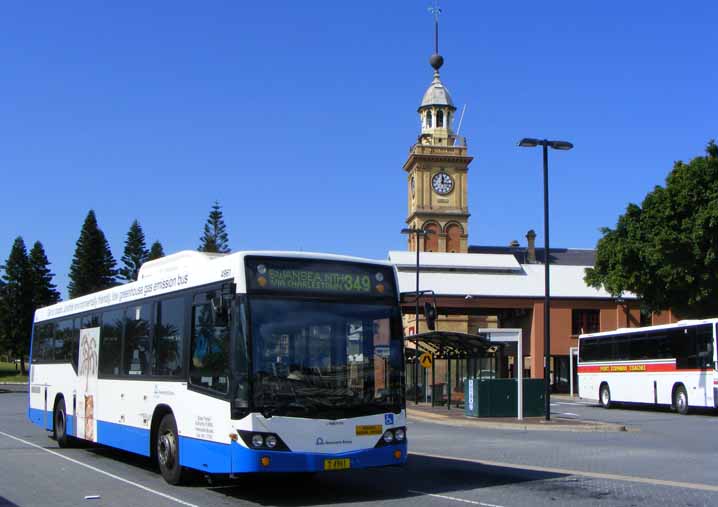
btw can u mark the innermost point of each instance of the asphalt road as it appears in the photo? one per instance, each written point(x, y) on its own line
point(669, 460)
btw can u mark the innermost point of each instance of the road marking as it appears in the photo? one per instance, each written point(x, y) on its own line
point(95, 469)
point(580, 473)
point(462, 500)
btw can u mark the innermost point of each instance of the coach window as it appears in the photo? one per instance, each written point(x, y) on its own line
point(168, 339)
point(136, 357)
point(209, 362)
point(111, 342)
point(42, 349)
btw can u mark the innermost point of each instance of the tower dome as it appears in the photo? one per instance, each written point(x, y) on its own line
point(437, 94)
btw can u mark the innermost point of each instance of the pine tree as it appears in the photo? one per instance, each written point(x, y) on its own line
point(4, 335)
point(44, 292)
point(156, 251)
point(93, 266)
point(215, 238)
point(17, 301)
point(136, 253)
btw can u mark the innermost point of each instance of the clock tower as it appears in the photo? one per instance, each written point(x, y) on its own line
point(436, 171)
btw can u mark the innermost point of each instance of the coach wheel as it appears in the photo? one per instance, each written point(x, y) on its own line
point(168, 450)
point(59, 418)
point(680, 400)
point(605, 396)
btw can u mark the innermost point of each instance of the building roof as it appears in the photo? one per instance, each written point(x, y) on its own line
point(491, 275)
point(455, 261)
point(559, 256)
point(437, 94)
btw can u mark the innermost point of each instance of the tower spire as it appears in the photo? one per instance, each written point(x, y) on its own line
point(436, 60)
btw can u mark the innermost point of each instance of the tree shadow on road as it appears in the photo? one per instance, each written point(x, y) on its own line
point(422, 475)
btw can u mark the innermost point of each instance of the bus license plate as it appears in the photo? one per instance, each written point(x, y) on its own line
point(336, 464)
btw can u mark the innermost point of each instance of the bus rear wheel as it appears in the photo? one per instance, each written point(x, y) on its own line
point(167, 446)
point(604, 396)
point(680, 400)
point(59, 426)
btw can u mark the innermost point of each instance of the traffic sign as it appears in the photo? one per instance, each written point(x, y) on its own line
point(425, 360)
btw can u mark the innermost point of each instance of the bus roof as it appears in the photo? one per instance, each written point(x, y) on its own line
point(181, 270)
point(629, 330)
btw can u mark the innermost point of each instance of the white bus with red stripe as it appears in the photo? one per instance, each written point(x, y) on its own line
point(673, 364)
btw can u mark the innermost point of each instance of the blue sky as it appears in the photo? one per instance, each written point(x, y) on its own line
point(298, 116)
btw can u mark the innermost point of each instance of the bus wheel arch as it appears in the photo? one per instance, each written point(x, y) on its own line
point(679, 398)
point(166, 447)
point(59, 421)
point(159, 413)
point(604, 395)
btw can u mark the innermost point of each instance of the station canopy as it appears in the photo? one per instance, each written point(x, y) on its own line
point(453, 345)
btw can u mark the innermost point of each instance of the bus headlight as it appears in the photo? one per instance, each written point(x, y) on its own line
point(388, 436)
point(399, 434)
point(258, 440)
point(271, 441)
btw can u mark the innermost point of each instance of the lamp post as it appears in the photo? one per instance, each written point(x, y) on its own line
point(418, 233)
point(556, 145)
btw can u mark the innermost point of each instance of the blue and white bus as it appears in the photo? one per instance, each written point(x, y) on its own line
point(247, 362)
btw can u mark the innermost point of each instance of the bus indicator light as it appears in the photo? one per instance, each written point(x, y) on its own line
point(265, 461)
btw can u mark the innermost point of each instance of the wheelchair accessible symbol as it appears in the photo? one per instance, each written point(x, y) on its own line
point(388, 419)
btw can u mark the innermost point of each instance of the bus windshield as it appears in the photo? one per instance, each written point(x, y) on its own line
point(325, 360)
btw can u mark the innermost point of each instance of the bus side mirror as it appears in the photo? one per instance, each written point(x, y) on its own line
point(430, 315)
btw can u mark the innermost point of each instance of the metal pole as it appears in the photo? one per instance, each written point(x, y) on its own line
point(520, 375)
point(433, 380)
point(547, 294)
point(570, 364)
point(416, 330)
point(448, 380)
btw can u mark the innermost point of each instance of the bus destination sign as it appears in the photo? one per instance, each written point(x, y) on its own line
point(317, 277)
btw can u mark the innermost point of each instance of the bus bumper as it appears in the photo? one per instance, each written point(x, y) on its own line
point(248, 460)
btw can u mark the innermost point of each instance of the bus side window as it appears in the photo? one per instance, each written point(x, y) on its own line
point(168, 341)
point(87, 322)
point(111, 342)
point(64, 344)
point(209, 362)
point(137, 340)
point(42, 349)
point(704, 346)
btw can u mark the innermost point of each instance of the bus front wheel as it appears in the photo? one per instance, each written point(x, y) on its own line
point(168, 450)
point(680, 400)
point(59, 418)
point(605, 396)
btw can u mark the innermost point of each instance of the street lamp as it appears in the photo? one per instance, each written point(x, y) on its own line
point(556, 145)
point(418, 233)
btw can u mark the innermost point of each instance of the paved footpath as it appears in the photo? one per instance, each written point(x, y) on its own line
point(448, 466)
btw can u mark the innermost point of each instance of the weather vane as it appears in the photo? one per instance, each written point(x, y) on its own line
point(435, 10)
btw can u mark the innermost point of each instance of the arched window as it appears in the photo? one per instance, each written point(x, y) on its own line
point(431, 241)
point(428, 119)
point(439, 119)
point(453, 238)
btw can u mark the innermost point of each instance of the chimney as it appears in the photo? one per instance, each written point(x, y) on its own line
point(514, 244)
point(531, 238)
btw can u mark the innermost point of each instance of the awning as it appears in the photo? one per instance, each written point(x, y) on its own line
point(453, 345)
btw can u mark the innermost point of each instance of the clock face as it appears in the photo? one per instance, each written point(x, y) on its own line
point(442, 183)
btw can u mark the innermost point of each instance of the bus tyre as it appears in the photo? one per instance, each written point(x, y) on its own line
point(59, 427)
point(168, 450)
point(604, 396)
point(680, 400)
